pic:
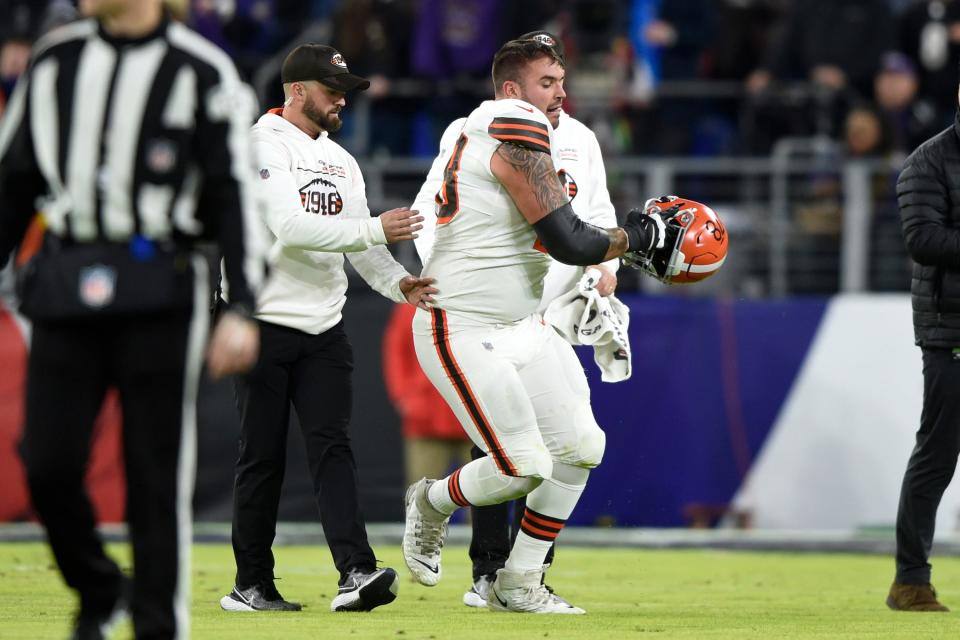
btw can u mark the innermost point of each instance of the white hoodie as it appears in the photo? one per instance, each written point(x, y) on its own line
point(315, 205)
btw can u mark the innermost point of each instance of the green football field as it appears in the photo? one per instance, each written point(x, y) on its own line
point(627, 594)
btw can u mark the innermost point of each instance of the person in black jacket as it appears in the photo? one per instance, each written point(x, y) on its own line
point(927, 194)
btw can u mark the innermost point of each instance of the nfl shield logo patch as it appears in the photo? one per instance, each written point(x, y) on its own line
point(264, 173)
point(97, 285)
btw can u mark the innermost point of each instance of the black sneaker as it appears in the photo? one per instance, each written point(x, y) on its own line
point(90, 626)
point(363, 590)
point(259, 597)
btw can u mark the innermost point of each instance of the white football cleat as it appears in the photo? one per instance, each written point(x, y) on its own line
point(423, 535)
point(525, 593)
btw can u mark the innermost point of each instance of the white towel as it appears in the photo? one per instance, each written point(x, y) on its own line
point(583, 316)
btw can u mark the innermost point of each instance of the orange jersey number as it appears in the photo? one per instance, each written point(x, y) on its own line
point(449, 195)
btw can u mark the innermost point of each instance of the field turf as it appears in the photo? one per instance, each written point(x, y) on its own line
point(627, 593)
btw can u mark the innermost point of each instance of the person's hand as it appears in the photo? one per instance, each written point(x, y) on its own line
point(646, 232)
point(418, 291)
point(401, 224)
point(607, 282)
point(233, 347)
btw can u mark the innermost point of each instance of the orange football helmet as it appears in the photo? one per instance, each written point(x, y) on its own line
point(696, 244)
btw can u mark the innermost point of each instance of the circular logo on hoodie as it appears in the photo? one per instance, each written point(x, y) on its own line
point(321, 197)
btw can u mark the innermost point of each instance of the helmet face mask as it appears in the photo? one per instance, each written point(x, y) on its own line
point(699, 248)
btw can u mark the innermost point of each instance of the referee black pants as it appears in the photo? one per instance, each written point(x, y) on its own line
point(931, 465)
point(154, 362)
point(313, 372)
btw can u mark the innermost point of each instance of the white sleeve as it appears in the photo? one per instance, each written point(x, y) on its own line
point(521, 123)
point(425, 202)
point(297, 229)
point(600, 210)
point(377, 266)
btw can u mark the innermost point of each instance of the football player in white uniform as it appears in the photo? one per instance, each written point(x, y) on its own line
point(316, 208)
point(582, 171)
point(514, 383)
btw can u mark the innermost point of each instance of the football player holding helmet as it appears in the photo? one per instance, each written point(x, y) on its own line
point(695, 244)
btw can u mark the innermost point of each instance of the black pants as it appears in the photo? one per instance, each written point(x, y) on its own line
point(494, 530)
point(314, 373)
point(70, 367)
point(931, 465)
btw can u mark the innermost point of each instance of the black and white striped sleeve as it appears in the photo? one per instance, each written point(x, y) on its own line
point(21, 182)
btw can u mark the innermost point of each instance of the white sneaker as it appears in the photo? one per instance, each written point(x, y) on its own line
point(525, 593)
point(477, 595)
point(423, 535)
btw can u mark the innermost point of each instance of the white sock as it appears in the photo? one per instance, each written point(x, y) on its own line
point(477, 483)
point(548, 507)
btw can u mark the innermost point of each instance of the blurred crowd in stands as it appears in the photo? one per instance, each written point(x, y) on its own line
point(654, 77)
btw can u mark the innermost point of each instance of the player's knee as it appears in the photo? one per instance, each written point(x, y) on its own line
point(535, 462)
point(542, 465)
point(592, 444)
point(519, 487)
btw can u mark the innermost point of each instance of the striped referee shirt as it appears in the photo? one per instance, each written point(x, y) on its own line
point(116, 139)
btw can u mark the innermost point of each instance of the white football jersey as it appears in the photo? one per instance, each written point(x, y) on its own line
point(483, 256)
point(577, 156)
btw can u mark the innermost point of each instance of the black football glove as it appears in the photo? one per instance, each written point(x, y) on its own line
point(646, 232)
point(652, 238)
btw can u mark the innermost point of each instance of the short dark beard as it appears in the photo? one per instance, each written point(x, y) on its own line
point(326, 122)
point(523, 96)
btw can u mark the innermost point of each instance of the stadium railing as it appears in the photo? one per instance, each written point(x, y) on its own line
point(805, 220)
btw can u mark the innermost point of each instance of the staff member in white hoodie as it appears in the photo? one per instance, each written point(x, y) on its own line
point(316, 208)
point(582, 170)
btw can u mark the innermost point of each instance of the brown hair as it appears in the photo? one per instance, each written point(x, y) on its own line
point(514, 56)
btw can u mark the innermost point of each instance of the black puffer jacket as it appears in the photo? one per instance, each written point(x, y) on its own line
point(928, 193)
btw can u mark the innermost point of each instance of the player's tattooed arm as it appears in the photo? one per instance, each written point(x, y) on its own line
point(532, 181)
point(535, 172)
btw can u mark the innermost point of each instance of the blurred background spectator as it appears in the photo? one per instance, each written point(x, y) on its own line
point(930, 36)
point(833, 45)
point(21, 22)
point(375, 37)
point(908, 119)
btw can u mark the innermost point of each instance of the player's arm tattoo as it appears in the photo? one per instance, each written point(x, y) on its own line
point(537, 169)
point(618, 243)
point(538, 173)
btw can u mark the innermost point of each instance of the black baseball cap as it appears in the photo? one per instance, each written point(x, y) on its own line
point(548, 39)
point(323, 64)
